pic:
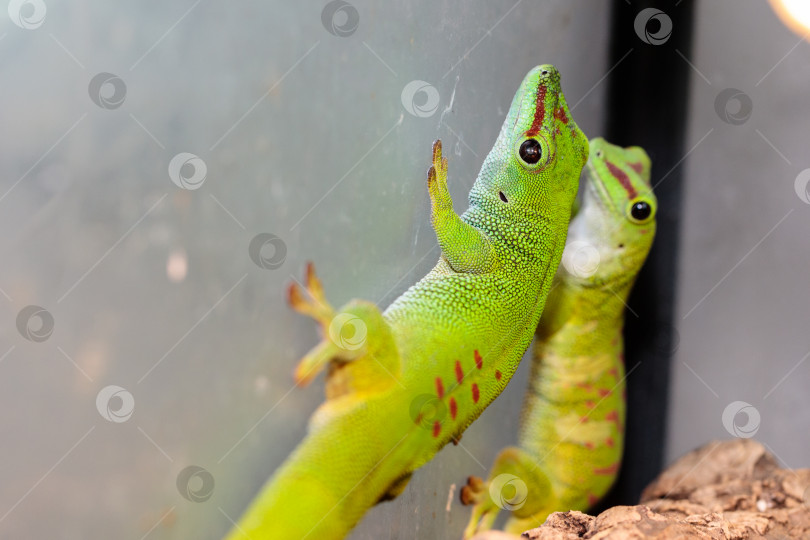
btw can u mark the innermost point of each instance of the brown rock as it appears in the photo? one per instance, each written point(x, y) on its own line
point(726, 490)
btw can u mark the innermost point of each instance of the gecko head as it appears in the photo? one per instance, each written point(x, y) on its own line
point(533, 170)
point(617, 216)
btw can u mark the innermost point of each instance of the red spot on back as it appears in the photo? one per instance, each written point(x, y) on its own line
point(437, 428)
point(612, 416)
point(479, 362)
point(559, 114)
point(610, 442)
point(590, 404)
point(592, 499)
point(453, 408)
point(439, 387)
point(583, 419)
point(623, 179)
point(606, 471)
point(497, 375)
point(459, 372)
point(589, 445)
point(638, 167)
point(603, 392)
point(539, 111)
point(475, 393)
point(614, 372)
point(585, 386)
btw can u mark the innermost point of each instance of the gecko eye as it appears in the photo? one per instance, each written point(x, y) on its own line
point(503, 197)
point(530, 151)
point(640, 211)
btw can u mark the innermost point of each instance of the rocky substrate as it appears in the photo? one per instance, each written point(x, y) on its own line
point(722, 491)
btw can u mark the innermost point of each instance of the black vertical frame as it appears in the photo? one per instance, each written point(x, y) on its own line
point(647, 106)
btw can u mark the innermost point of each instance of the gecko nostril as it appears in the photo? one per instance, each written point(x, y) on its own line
point(503, 197)
point(544, 72)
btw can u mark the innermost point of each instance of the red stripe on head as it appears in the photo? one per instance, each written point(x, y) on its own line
point(539, 111)
point(607, 471)
point(439, 387)
point(623, 179)
point(637, 166)
point(437, 428)
point(560, 115)
point(475, 393)
point(459, 372)
point(497, 375)
point(479, 362)
point(453, 408)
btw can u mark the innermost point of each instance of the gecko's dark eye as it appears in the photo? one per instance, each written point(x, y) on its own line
point(502, 196)
point(530, 151)
point(641, 210)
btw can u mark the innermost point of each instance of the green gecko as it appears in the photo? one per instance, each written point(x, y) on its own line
point(403, 383)
point(572, 426)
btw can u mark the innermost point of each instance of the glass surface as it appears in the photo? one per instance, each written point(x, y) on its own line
point(146, 147)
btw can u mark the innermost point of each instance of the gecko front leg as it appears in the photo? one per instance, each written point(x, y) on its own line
point(466, 248)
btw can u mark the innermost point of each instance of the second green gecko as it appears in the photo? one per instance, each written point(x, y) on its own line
point(572, 427)
point(403, 383)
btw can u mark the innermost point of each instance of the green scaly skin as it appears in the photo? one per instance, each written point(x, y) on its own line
point(404, 383)
point(572, 427)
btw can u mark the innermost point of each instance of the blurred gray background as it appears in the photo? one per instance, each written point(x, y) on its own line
point(160, 342)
